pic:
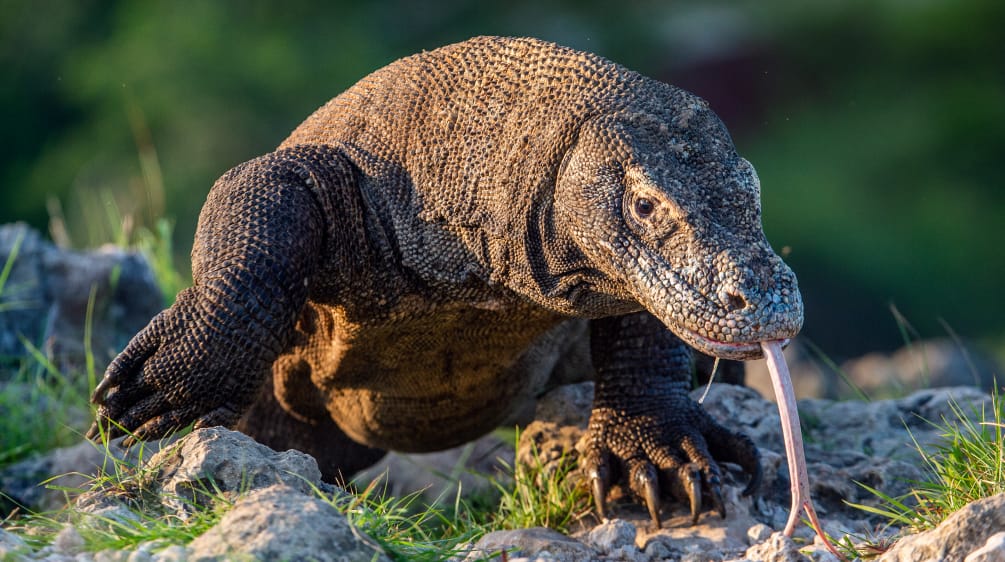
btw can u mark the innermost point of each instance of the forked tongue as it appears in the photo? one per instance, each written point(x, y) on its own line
point(793, 436)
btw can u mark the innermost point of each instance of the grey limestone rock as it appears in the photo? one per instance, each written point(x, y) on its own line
point(992, 551)
point(693, 549)
point(533, 543)
point(10, 545)
point(778, 548)
point(566, 405)
point(173, 553)
point(63, 469)
point(46, 293)
point(758, 533)
point(68, 541)
point(962, 534)
point(439, 474)
point(924, 364)
point(220, 460)
point(612, 535)
point(281, 523)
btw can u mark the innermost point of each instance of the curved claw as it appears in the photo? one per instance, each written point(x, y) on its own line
point(652, 496)
point(756, 473)
point(599, 472)
point(139, 349)
point(691, 480)
point(92, 432)
point(98, 396)
point(645, 483)
point(718, 504)
point(599, 494)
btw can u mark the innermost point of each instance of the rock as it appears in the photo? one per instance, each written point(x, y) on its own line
point(566, 405)
point(281, 523)
point(212, 460)
point(46, 294)
point(173, 553)
point(961, 534)
point(694, 549)
point(549, 445)
point(612, 535)
point(936, 404)
point(112, 556)
point(820, 554)
point(440, 474)
point(11, 545)
point(743, 409)
point(68, 541)
point(992, 551)
point(143, 553)
point(533, 542)
point(759, 533)
point(68, 468)
point(778, 548)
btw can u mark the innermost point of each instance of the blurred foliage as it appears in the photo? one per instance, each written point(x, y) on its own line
point(877, 127)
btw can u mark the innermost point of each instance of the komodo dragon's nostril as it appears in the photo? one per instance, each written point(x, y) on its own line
point(732, 299)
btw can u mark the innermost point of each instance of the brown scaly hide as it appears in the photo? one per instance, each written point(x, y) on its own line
point(430, 247)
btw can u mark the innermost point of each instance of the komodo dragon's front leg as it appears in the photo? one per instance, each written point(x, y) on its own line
point(204, 359)
point(645, 427)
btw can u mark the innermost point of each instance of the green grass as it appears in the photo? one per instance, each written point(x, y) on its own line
point(406, 527)
point(141, 518)
point(541, 495)
point(40, 406)
point(36, 383)
point(966, 464)
point(42, 409)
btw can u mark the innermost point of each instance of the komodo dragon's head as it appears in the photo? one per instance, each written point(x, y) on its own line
point(658, 200)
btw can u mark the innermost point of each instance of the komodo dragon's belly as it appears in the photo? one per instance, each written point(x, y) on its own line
point(429, 381)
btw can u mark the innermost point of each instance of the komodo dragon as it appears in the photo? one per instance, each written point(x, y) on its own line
point(439, 240)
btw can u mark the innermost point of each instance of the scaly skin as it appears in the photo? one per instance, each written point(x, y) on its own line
point(434, 244)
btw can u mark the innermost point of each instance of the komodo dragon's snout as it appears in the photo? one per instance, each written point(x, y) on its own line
point(662, 203)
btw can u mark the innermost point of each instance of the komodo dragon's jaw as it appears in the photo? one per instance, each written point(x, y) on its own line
point(672, 214)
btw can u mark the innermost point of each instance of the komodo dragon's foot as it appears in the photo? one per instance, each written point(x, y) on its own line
point(181, 368)
point(646, 430)
point(662, 448)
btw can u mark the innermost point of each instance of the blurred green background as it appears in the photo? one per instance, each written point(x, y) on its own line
point(877, 127)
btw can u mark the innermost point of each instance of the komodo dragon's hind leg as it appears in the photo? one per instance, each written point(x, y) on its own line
point(289, 413)
point(338, 456)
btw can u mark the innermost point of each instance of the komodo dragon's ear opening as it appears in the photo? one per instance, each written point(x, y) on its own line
point(567, 157)
point(579, 135)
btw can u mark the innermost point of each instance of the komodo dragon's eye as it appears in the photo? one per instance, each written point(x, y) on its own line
point(644, 207)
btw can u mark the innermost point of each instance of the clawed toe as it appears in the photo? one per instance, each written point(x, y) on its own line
point(600, 479)
point(645, 483)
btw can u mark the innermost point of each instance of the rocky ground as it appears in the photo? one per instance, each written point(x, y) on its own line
point(278, 515)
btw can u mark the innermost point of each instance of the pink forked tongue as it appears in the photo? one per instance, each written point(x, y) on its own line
point(793, 436)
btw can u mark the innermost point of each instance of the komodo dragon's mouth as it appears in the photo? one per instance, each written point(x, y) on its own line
point(721, 349)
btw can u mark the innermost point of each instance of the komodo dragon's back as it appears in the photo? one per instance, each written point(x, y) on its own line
point(481, 126)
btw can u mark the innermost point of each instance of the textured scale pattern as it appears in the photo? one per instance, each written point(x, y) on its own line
point(451, 236)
